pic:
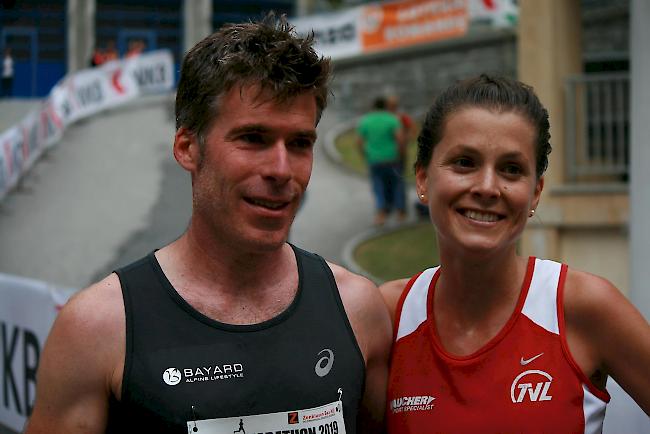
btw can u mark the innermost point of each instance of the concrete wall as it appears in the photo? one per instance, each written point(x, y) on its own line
point(640, 156)
point(602, 251)
point(417, 74)
point(605, 30)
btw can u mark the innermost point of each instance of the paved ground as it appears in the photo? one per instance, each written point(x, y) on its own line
point(111, 192)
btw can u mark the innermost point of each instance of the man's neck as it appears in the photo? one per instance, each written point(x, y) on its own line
point(231, 285)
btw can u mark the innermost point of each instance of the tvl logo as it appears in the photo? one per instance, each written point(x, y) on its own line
point(523, 387)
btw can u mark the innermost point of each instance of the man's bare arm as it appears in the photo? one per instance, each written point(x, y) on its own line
point(372, 328)
point(81, 365)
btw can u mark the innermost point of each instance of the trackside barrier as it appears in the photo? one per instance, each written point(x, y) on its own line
point(27, 310)
point(75, 97)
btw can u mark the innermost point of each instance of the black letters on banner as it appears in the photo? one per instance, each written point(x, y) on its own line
point(152, 75)
point(31, 355)
point(8, 378)
point(30, 342)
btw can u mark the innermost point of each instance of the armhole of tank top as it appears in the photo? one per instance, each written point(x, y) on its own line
point(400, 304)
point(600, 394)
point(128, 333)
point(337, 299)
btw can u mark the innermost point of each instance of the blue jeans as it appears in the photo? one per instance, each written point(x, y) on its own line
point(388, 186)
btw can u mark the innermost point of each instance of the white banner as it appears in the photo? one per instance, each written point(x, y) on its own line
point(89, 91)
point(387, 25)
point(27, 310)
point(336, 34)
point(77, 96)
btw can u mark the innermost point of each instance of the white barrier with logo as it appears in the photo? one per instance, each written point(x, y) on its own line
point(75, 97)
point(379, 26)
point(27, 310)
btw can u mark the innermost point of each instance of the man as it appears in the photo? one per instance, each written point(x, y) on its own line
point(408, 126)
point(381, 141)
point(229, 327)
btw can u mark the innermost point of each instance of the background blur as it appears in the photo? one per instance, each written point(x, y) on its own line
point(109, 191)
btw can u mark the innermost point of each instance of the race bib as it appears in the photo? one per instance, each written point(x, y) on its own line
point(326, 419)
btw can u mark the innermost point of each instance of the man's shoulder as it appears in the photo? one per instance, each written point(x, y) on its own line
point(346, 280)
point(99, 307)
point(358, 293)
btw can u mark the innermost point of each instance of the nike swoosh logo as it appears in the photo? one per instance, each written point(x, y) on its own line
point(524, 362)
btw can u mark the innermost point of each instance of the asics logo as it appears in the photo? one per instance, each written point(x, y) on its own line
point(524, 362)
point(324, 364)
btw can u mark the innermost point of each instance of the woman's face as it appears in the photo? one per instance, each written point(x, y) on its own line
point(480, 184)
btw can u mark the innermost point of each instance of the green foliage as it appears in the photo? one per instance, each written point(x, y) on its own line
point(399, 254)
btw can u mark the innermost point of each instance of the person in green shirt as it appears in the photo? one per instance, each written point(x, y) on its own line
point(380, 142)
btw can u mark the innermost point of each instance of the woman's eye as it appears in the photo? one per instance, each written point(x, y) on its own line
point(512, 169)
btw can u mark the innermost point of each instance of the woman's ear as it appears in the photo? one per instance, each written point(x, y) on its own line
point(421, 184)
point(538, 192)
point(186, 149)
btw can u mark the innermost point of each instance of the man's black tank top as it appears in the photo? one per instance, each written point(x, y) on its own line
point(181, 365)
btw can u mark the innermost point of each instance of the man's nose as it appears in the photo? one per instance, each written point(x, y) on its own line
point(278, 164)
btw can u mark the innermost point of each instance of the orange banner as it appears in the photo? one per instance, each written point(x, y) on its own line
point(403, 23)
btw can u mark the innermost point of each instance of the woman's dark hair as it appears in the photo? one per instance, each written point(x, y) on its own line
point(493, 93)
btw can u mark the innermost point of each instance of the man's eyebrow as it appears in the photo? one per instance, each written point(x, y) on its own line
point(262, 129)
point(308, 134)
point(250, 128)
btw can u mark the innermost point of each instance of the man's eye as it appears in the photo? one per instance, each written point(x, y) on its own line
point(252, 138)
point(303, 143)
point(463, 162)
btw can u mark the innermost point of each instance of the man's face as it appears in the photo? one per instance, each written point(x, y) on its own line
point(255, 166)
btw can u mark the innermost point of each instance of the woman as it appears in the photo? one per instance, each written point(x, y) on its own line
point(490, 341)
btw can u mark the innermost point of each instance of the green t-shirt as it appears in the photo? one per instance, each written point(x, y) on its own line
point(377, 129)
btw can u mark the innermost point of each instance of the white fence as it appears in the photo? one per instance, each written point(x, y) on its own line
point(77, 96)
point(27, 310)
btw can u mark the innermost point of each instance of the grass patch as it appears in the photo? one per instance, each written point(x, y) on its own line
point(346, 144)
point(399, 254)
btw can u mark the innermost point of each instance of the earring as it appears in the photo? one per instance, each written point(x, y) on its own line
point(421, 196)
point(531, 213)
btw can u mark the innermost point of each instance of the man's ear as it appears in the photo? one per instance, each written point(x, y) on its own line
point(186, 149)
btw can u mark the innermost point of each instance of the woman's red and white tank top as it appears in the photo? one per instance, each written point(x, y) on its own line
point(524, 380)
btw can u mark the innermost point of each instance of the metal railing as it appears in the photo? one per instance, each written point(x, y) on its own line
point(597, 127)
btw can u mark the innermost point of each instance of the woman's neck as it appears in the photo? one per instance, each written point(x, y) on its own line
point(475, 284)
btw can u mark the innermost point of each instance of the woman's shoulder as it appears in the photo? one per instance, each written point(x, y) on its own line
point(586, 293)
point(391, 292)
